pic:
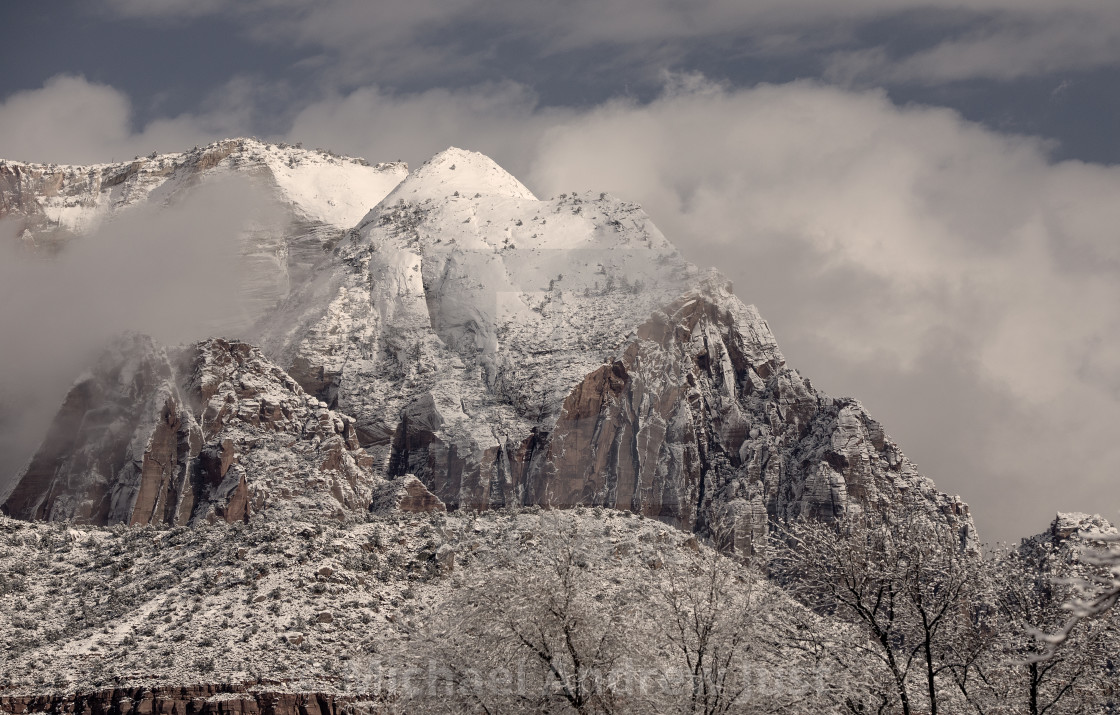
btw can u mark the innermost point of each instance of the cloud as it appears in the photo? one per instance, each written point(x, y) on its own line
point(401, 40)
point(501, 120)
point(74, 121)
point(68, 120)
point(173, 272)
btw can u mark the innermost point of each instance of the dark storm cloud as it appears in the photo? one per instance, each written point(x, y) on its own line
point(992, 38)
point(1018, 66)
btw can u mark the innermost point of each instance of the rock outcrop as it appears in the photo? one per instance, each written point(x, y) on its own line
point(1067, 525)
point(409, 495)
point(175, 436)
point(119, 442)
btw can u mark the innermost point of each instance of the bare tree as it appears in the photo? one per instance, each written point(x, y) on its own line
point(847, 572)
point(851, 677)
point(548, 638)
point(730, 634)
point(709, 625)
point(907, 583)
point(554, 622)
point(574, 639)
point(1030, 585)
point(940, 580)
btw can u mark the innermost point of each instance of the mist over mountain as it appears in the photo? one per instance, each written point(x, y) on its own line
point(180, 247)
point(596, 357)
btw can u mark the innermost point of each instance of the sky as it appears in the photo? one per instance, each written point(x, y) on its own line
point(918, 195)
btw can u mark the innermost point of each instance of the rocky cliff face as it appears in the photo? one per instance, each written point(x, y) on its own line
point(120, 428)
point(513, 351)
point(507, 351)
point(178, 436)
point(698, 422)
point(209, 699)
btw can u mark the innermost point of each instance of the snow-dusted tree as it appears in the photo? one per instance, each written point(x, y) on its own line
point(552, 638)
point(737, 643)
point(553, 622)
point(557, 618)
point(705, 605)
point(1097, 592)
point(851, 676)
point(1028, 586)
point(907, 582)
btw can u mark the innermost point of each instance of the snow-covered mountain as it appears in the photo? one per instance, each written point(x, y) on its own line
point(55, 202)
point(310, 197)
point(505, 350)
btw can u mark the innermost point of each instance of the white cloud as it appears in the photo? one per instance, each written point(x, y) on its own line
point(72, 120)
point(68, 120)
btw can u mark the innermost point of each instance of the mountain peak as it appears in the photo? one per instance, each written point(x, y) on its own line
point(460, 172)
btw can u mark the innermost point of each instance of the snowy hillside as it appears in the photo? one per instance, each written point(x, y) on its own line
point(346, 608)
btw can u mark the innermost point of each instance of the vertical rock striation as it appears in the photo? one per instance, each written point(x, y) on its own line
point(175, 436)
point(514, 351)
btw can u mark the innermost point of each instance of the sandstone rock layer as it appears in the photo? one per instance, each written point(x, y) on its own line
point(175, 436)
point(180, 700)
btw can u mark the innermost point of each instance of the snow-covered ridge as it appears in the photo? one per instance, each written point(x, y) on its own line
point(321, 186)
